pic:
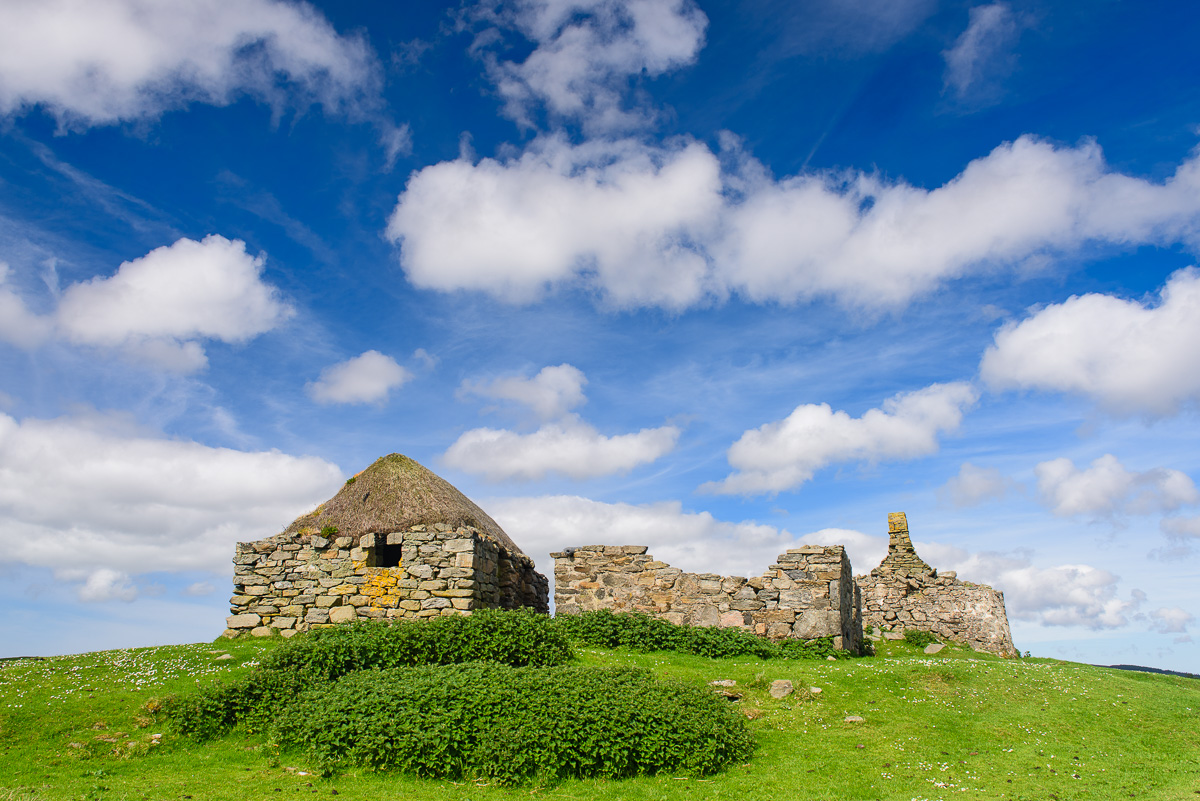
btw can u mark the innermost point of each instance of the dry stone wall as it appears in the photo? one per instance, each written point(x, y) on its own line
point(906, 593)
point(290, 583)
point(809, 593)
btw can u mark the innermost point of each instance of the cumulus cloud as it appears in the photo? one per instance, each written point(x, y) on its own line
point(667, 225)
point(974, 485)
point(97, 62)
point(551, 394)
point(1171, 620)
point(199, 589)
point(1181, 527)
point(366, 378)
point(585, 52)
point(1107, 487)
point(983, 53)
point(782, 455)
point(90, 494)
point(157, 306)
point(19, 325)
point(571, 448)
point(564, 443)
point(1060, 595)
point(623, 213)
point(695, 541)
point(1130, 356)
point(102, 584)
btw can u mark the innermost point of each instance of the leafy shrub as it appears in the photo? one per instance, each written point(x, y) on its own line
point(514, 724)
point(515, 638)
point(640, 632)
point(920, 639)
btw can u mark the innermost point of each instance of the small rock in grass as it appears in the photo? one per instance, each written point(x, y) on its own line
point(781, 688)
point(934, 648)
point(855, 719)
point(815, 690)
point(831, 659)
point(723, 683)
point(224, 656)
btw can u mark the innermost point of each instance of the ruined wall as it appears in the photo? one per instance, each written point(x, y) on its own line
point(906, 593)
point(291, 583)
point(809, 593)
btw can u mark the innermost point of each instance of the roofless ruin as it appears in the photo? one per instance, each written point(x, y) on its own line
point(398, 542)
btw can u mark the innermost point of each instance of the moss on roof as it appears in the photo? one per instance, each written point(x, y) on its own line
point(394, 494)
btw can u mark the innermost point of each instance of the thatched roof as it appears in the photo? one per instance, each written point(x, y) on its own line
point(394, 494)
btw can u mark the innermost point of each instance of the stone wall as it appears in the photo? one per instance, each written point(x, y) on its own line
point(810, 592)
point(906, 593)
point(290, 583)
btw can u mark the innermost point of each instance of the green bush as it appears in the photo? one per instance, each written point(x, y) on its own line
point(640, 632)
point(516, 638)
point(514, 724)
point(920, 639)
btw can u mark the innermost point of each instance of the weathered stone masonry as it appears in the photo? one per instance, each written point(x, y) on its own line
point(906, 593)
point(809, 593)
point(292, 585)
point(401, 543)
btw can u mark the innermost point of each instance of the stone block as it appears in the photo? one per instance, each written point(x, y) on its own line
point(343, 614)
point(262, 631)
point(731, 620)
point(817, 623)
point(247, 621)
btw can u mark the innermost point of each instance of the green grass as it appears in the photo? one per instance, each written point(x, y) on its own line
point(955, 725)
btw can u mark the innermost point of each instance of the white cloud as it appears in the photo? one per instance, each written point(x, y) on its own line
point(666, 226)
point(1106, 488)
point(101, 584)
point(569, 447)
point(585, 53)
point(621, 214)
point(1061, 595)
point(1130, 356)
point(694, 541)
point(96, 62)
point(157, 306)
point(1181, 527)
point(18, 324)
point(1171, 620)
point(974, 485)
point(199, 589)
point(551, 394)
point(982, 53)
point(563, 444)
point(366, 378)
point(89, 494)
point(785, 454)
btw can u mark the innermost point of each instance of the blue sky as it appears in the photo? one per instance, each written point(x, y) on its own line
point(719, 278)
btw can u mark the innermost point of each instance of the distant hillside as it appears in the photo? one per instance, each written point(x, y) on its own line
point(1144, 669)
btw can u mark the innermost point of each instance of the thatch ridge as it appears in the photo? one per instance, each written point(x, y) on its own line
point(394, 494)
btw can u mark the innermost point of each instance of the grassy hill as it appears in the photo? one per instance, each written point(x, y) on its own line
point(955, 725)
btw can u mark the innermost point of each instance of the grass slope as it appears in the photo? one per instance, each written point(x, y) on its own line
point(954, 725)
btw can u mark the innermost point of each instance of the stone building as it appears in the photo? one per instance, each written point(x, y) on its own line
point(906, 593)
point(809, 592)
point(396, 542)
